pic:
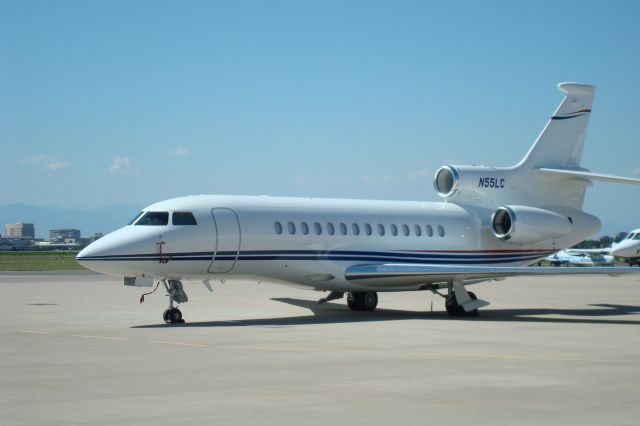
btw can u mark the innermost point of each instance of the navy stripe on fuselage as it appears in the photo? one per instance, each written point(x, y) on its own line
point(338, 255)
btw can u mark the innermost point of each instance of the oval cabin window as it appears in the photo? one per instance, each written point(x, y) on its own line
point(330, 228)
point(278, 227)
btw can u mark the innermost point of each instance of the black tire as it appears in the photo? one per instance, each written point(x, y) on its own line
point(369, 300)
point(175, 315)
point(353, 301)
point(165, 316)
point(455, 310)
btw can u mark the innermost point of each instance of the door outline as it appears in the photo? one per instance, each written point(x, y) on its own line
point(218, 230)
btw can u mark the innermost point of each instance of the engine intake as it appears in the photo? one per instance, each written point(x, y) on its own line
point(526, 225)
point(446, 181)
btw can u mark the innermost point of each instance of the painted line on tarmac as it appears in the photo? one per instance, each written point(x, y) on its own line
point(87, 336)
point(162, 342)
point(32, 332)
point(523, 358)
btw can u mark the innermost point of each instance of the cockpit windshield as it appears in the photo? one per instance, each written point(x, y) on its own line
point(136, 217)
point(631, 236)
point(153, 219)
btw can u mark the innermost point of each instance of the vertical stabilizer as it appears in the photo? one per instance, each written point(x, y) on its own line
point(560, 143)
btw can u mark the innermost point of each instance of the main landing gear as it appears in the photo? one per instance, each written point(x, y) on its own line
point(362, 301)
point(460, 302)
point(176, 293)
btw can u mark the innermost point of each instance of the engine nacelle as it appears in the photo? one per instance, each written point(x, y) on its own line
point(472, 184)
point(527, 225)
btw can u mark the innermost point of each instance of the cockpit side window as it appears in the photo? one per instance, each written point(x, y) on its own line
point(153, 219)
point(630, 236)
point(136, 217)
point(183, 218)
point(637, 236)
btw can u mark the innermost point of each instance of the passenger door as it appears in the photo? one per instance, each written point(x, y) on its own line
point(227, 240)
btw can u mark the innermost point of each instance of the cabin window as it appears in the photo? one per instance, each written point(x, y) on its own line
point(429, 231)
point(405, 230)
point(394, 229)
point(318, 228)
point(154, 219)
point(417, 230)
point(440, 230)
point(355, 228)
point(277, 226)
point(330, 228)
point(367, 229)
point(291, 227)
point(183, 218)
point(136, 217)
point(305, 228)
point(381, 229)
point(343, 229)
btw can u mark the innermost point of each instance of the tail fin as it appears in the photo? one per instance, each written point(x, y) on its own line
point(561, 141)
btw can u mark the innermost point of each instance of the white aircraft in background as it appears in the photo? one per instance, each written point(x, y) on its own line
point(627, 249)
point(568, 258)
point(492, 224)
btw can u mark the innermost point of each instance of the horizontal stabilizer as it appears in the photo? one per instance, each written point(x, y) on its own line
point(578, 174)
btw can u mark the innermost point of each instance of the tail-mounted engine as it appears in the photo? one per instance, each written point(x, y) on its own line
point(526, 225)
point(473, 184)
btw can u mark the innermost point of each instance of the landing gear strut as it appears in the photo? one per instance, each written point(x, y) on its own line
point(177, 294)
point(460, 302)
point(362, 301)
point(453, 309)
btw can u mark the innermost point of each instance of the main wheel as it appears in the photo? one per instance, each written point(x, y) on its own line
point(369, 300)
point(454, 309)
point(165, 316)
point(353, 302)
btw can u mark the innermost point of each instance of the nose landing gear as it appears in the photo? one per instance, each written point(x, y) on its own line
point(176, 293)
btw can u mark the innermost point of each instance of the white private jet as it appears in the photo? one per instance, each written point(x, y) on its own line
point(493, 223)
point(627, 249)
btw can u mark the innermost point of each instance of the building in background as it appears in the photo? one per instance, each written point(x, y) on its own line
point(22, 231)
point(68, 235)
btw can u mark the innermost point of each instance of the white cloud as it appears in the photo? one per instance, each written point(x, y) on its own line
point(418, 175)
point(179, 151)
point(44, 163)
point(377, 179)
point(120, 165)
point(33, 159)
point(55, 165)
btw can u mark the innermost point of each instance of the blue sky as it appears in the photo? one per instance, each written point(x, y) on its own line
point(136, 101)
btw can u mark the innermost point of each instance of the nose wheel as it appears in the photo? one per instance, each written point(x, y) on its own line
point(172, 316)
point(176, 293)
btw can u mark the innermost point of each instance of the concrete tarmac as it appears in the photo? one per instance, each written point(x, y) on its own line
point(78, 348)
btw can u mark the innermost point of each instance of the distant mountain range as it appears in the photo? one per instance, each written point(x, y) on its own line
point(44, 218)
